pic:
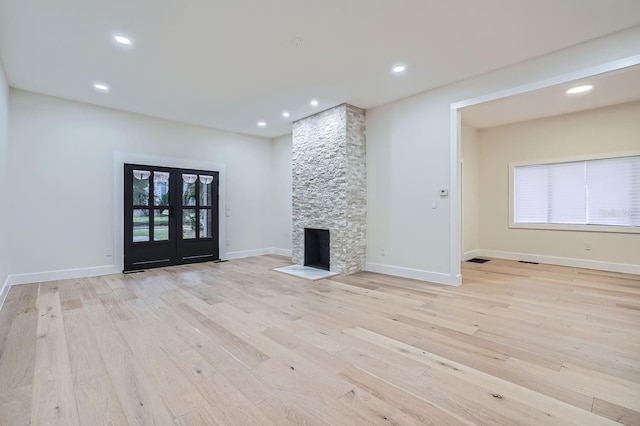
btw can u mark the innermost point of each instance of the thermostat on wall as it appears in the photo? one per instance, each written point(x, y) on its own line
point(444, 192)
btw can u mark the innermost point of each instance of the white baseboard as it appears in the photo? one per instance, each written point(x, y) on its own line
point(471, 254)
point(282, 252)
point(247, 253)
point(417, 274)
point(4, 290)
point(258, 252)
point(563, 261)
point(64, 274)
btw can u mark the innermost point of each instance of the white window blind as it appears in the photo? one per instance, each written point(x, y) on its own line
point(614, 191)
point(531, 194)
point(567, 190)
point(593, 192)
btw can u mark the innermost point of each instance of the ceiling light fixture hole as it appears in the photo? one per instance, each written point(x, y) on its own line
point(583, 88)
point(122, 39)
point(101, 87)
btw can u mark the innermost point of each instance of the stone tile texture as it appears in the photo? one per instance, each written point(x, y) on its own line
point(329, 184)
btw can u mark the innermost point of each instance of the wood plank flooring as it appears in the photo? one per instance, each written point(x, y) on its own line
point(236, 343)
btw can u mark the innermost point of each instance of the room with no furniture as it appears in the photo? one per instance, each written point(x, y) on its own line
point(340, 212)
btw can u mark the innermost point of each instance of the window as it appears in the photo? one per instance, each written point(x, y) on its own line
point(591, 194)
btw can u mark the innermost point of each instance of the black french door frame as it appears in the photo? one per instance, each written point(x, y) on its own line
point(168, 229)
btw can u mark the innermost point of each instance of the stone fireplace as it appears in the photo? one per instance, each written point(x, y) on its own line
point(329, 185)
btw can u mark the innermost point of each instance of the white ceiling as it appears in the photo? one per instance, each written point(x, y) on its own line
point(610, 88)
point(229, 63)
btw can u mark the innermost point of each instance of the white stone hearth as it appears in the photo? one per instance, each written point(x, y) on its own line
point(306, 272)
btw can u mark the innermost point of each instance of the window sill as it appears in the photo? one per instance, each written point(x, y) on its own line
point(580, 228)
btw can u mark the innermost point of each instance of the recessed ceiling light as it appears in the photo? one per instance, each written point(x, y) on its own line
point(285, 114)
point(101, 87)
point(580, 89)
point(122, 39)
point(314, 102)
point(262, 123)
point(399, 68)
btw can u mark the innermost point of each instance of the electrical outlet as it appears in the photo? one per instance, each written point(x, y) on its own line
point(382, 252)
point(107, 252)
point(587, 246)
point(228, 243)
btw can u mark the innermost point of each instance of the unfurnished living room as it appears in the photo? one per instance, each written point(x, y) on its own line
point(336, 212)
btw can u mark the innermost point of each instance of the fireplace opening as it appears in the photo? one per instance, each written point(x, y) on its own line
point(316, 248)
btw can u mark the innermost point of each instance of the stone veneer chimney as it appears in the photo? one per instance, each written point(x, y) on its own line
point(329, 184)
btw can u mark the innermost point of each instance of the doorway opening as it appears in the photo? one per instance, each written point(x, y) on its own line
point(512, 106)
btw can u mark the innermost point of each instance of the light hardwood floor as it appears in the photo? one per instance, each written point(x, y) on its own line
point(238, 344)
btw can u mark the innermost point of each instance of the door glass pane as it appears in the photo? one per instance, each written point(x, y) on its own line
point(189, 189)
point(205, 223)
point(161, 188)
point(161, 225)
point(141, 187)
point(140, 225)
point(189, 223)
point(205, 190)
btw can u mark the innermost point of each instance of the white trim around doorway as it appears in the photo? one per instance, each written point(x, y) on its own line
point(455, 220)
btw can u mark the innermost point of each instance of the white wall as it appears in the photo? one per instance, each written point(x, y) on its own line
point(603, 131)
point(470, 191)
point(409, 155)
point(4, 147)
point(282, 184)
point(407, 163)
point(62, 178)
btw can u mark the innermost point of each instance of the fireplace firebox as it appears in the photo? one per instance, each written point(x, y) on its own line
point(316, 248)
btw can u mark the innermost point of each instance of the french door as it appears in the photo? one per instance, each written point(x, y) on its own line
point(171, 216)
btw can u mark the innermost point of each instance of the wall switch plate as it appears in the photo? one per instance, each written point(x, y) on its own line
point(434, 204)
point(107, 252)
